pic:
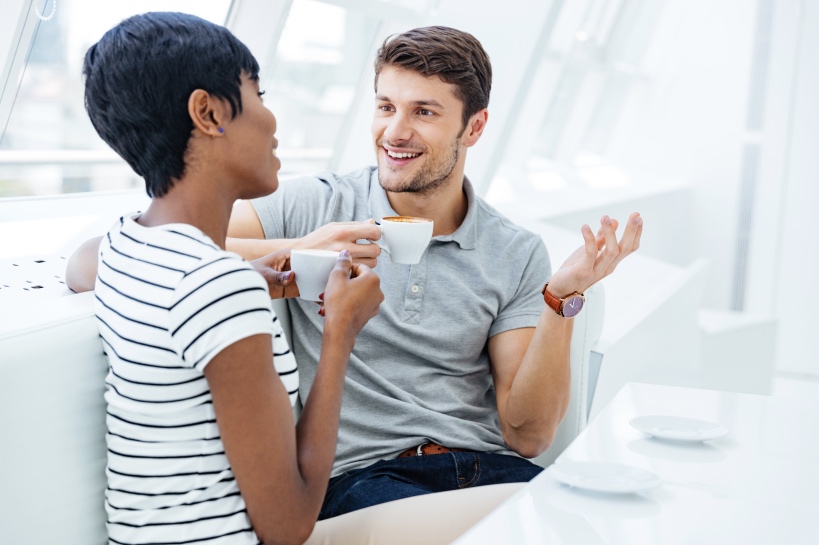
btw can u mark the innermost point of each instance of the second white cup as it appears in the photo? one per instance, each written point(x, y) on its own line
point(312, 268)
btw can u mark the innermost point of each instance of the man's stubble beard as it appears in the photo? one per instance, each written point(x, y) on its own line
point(429, 180)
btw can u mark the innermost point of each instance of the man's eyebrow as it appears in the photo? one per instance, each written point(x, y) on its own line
point(429, 102)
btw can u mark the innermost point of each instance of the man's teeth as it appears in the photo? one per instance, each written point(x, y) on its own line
point(402, 155)
point(274, 152)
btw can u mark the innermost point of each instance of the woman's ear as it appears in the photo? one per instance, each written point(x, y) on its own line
point(207, 113)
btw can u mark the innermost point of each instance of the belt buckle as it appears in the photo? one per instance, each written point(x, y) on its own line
point(418, 451)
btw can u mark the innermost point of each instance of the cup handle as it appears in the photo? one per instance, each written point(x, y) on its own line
point(382, 246)
point(380, 242)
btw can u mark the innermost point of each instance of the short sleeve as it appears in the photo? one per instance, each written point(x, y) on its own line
point(298, 207)
point(526, 305)
point(215, 305)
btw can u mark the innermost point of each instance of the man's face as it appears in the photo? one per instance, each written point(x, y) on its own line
point(417, 129)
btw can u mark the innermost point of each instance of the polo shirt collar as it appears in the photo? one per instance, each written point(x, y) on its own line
point(465, 236)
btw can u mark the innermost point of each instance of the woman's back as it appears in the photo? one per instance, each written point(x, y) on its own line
point(168, 300)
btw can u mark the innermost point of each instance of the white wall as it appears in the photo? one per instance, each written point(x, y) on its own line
point(797, 289)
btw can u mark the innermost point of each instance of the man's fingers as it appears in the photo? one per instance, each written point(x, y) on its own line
point(361, 230)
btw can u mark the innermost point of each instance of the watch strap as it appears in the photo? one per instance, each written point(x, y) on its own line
point(553, 302)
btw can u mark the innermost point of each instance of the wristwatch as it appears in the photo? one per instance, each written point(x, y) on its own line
point(567, 307)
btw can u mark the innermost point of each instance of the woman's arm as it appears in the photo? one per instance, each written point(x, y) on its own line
point(282, 470)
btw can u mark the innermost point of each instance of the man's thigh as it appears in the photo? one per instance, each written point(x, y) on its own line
point(390, 480)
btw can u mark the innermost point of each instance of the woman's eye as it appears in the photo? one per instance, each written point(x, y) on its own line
point(262, 92)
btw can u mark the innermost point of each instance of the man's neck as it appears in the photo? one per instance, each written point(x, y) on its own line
point(446, 207)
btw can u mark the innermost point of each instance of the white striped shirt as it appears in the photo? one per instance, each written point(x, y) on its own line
point(168, 301)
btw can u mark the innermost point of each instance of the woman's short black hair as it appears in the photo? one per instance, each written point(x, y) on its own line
point(138, 79)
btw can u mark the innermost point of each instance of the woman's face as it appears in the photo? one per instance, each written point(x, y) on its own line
point(250, 154)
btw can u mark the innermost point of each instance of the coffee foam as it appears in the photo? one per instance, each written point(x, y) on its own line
point(406, 219)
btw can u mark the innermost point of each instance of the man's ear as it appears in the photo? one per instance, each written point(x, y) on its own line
point(474, 128)
point(207, 113)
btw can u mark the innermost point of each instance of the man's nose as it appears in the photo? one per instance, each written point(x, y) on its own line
point(398, 129)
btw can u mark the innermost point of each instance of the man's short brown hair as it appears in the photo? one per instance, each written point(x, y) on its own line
point(454, 56)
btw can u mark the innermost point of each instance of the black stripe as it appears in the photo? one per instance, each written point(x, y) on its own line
point(291, 392)
point(220, 322)
point(179, 522)
point(180, 457)
point(209, 245)
point(131, 297)
point(225, 480)
point(183, 542)
point(154, 442)
point(135, 277)
point(157, 425)
point(257, 288)
point(280, 354)
point(171, 506)
point(200, 286)
point(123, 254)
point(114, 331)
point(166, 476)
point(208, 264)
point(156, 383)
point(206, 392)
point(148, 244)
point(138, 362)
point(126, 317)
point(290, 372)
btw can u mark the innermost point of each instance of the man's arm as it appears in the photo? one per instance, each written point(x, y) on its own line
point(81, 269)
point(530, 367)
point(246, 237)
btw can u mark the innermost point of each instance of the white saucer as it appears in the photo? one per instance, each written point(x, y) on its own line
point(677, 428)
point(604, 477)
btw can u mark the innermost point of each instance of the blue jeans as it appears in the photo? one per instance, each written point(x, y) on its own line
point(389, 480)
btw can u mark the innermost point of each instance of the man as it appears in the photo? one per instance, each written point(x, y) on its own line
point(464, 358)
point(464, 354)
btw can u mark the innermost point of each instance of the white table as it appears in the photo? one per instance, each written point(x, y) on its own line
point(757, 485)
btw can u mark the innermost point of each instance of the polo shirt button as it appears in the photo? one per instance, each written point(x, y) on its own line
point(415, 289)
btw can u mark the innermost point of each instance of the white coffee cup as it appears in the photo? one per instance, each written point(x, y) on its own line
point(312, 268)
point(405, 238)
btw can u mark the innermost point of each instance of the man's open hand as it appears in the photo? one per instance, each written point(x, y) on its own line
point(598, 257)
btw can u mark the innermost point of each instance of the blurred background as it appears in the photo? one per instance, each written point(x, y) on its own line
point(701, 114)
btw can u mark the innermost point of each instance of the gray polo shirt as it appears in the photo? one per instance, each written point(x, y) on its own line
point(420, 370)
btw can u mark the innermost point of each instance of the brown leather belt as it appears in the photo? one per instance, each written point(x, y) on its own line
point(427, 449)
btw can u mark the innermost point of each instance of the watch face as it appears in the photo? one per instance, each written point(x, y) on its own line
point(572, 306)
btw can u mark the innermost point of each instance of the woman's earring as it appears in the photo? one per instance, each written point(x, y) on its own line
point(221, 130)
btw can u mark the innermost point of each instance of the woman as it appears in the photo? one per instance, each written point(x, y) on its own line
point(201, 441)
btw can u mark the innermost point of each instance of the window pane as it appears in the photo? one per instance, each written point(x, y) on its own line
point(48, 114)
point(320, 57)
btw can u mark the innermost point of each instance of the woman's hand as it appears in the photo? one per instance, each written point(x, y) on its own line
point(352, 297)
point(275, 268)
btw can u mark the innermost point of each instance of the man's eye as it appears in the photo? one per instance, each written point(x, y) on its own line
point(426, 112)
point(385, 108)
